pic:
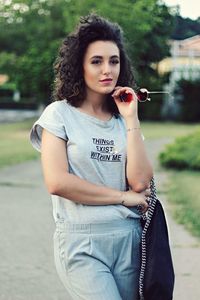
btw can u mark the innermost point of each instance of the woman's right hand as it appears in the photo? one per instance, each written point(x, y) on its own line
point(132, 198)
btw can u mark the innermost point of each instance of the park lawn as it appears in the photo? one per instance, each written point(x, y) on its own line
point(156, 130)
point(15, 146)
point(183, 192)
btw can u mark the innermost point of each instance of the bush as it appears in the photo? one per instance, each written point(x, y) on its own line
point(183, 153)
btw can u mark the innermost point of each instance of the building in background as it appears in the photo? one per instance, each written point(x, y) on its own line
point(3, 79)
point(184, 63)
point(185, 59)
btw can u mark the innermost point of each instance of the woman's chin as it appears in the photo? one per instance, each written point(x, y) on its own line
point(107, 90)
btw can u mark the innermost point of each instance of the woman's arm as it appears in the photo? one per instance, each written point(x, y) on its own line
point(138, 168)
point(60, 182)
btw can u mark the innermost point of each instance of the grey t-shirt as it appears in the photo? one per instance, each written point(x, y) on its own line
point(96, 151)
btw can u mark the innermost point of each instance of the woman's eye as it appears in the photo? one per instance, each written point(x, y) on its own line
point(96, 61)
point(114, 62)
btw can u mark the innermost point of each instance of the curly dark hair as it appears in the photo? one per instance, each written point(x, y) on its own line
point(69, 82)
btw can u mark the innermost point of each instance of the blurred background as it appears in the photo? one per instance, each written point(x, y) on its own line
point(163, 42)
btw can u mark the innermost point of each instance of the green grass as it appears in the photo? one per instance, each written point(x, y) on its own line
point(156, 130)
point(14, 143)
point(183, 193)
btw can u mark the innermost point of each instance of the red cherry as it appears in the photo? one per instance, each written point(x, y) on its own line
point(129, 97)
point(126, 97)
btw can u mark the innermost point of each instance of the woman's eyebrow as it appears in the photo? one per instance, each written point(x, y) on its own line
point(99, 56)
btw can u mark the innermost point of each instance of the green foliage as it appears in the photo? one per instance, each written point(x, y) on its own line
point(183, 153)
point(11, 86)
point(33, 30)
point(189, 91)
point(185, 28)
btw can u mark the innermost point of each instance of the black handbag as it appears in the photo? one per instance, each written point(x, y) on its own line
point(156, 281)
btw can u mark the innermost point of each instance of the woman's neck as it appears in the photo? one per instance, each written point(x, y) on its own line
point(95, 103)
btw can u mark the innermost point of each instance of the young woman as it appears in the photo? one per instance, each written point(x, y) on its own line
point(95, 165)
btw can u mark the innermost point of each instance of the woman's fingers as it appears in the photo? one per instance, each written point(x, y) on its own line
point(118, 90)
point(144, 206)
point(115, 91)
point(147, 192)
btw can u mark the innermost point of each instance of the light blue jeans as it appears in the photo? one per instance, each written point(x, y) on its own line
point(99, 261)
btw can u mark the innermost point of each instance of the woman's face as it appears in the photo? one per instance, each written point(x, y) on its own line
point(101, 66)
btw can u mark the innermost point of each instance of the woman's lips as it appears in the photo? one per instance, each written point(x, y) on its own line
point(106, 81)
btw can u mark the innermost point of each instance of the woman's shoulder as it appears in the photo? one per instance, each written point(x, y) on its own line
point(57, 104)
point(56, 107)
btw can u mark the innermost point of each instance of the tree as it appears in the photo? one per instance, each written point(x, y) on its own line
point(33, 30)
point(185, 28)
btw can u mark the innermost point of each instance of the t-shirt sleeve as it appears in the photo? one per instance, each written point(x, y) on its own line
point(51, 119)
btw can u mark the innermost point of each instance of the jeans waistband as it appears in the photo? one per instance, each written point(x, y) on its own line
point(99, 227)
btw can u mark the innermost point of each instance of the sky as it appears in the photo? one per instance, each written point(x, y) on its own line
point(188, 8)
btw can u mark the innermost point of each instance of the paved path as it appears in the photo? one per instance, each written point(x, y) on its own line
point(16, 115)
point(27, 270)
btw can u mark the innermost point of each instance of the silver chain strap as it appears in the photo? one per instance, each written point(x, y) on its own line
point(146, 217)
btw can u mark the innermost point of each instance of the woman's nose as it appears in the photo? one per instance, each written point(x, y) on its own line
point(106, 68)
